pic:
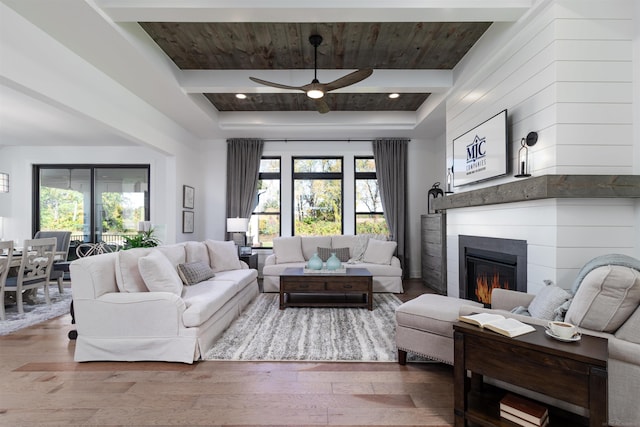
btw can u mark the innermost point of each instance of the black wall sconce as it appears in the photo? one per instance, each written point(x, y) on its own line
point(433, 193)
point(523, 154)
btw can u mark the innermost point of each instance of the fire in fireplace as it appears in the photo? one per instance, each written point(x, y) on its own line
point(487, 263)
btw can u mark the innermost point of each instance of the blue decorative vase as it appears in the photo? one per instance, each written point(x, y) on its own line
point(315, 262)
point(333, 263)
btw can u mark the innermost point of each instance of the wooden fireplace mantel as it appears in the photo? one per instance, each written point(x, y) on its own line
point(545, 187)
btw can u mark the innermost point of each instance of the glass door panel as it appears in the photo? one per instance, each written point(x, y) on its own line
point(121, 196)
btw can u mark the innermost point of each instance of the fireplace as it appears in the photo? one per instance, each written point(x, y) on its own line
point(486, 263)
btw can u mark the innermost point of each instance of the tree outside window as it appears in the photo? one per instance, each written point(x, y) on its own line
point(264, 225)
point(317, 196)
point(368, 204)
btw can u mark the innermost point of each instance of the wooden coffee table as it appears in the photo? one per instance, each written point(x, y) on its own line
point(351, 289)
point(573, 372)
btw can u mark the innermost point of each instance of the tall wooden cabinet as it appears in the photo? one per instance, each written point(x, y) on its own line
point(434, 251)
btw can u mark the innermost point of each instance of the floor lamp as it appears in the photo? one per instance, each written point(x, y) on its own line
point(238, 227)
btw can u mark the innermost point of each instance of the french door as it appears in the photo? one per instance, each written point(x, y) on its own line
point(97, 203)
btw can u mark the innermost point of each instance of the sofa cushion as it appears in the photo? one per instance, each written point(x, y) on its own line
point(341, 253)
point(242, 278)
point(196, 251)
point(175, 253)
point(310, 244)
point(158, 273)
point(195, 272)
point(379, 252)
point(278, 269)
point(223, 256)
point(288, 249)
point(204, 299)
point(128, 276)
point(606, 298)
point(545, 303)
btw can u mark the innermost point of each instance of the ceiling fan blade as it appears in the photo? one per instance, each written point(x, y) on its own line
point(349, 79)
point(277, 85)
point(322, 106)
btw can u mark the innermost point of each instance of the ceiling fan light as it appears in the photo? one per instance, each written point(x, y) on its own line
point(315, 93)
point(394, 95)
point(241, 96)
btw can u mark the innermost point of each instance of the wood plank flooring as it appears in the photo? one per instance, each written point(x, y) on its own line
point(42, 385)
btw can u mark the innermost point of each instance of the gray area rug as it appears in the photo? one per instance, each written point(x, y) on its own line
point(264, 332)
point(36, 313)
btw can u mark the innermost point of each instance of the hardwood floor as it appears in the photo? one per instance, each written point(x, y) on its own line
point(42, 385)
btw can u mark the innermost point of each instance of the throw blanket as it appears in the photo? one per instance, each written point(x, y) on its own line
point(609, 259)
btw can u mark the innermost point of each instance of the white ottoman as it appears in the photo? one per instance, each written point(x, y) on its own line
point(424, 326)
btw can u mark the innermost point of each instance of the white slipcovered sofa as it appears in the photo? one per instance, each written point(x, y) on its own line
point(158, 303)
point(364, 251)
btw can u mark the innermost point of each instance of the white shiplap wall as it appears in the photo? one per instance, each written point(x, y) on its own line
point(565, 71)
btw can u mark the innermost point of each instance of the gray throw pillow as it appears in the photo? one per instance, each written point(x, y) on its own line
point(194, 272)
point(545, 303)
point(341, 253)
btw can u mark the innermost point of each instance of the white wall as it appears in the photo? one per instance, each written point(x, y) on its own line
point(566, 71)
point(166, 177)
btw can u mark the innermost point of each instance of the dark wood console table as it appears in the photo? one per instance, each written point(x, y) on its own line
point(572, 372)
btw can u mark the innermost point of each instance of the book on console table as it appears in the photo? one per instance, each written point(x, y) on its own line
point(523, 411)
point(498, 323)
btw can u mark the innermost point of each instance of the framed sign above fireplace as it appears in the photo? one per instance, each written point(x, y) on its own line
point(482, 152)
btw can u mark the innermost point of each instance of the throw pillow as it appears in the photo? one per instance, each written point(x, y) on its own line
point(196, 251)
point(194, 272)
point(606, 298)
point(158, 273)
point(547, 301)
point(341, 253)
point(311, 243)
point(223, 255)
point(128, 276)
point(288, 249)
point(359, 248)
point(379, 252)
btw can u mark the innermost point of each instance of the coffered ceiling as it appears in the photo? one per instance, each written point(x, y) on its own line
point(187, 60)
point(346, 46)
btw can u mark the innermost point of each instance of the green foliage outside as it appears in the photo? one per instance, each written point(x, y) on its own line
point(61, 209)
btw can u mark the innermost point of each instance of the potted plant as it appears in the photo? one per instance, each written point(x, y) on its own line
point(144, 239)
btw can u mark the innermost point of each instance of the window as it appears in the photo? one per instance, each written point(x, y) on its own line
point(317, 196)
point(368, 205)
point(96, 202)
point(264, 225)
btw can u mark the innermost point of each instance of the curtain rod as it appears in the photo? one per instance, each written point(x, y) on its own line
point(324, 140)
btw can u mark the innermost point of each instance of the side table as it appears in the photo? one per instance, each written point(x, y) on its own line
point(572, 372)
point(251, 260)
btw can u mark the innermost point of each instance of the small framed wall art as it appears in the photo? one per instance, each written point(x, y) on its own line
point(187, 221)
point(188, 197)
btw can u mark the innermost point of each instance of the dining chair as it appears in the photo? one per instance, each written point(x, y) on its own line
point(34, 271)
point(60, 263)
point(6, 254)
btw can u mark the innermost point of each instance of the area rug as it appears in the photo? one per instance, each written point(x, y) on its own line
point(263, 332)
point(36, 313)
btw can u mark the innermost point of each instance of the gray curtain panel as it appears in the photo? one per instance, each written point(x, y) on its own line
point(243, 165)
point(391, 170)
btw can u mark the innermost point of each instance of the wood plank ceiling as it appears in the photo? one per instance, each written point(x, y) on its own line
point(284, 46)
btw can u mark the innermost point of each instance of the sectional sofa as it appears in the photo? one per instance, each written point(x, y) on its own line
point(372, 252)
point(168, 303)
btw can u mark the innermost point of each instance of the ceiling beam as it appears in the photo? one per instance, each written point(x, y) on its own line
point(382, 81)
point(325, 11)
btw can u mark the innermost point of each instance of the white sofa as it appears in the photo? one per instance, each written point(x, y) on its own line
point(376, 257)
point(132, 305)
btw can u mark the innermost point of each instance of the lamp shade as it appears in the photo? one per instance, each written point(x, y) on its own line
point(237, 225)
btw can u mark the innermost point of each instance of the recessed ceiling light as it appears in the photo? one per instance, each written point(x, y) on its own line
point(394, 95)
point(241, 96)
